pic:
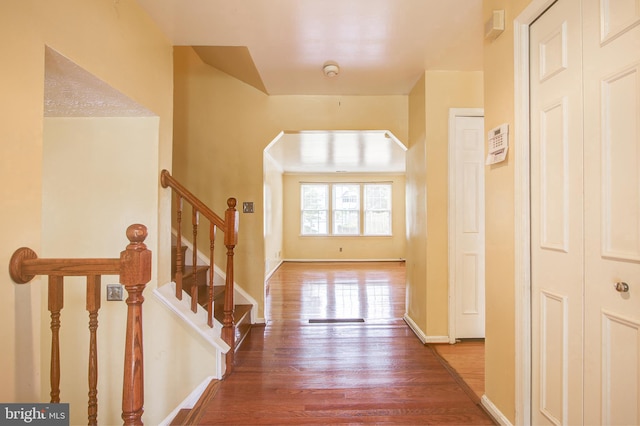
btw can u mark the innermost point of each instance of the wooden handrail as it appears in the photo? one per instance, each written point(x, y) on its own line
point(166, 180)
point(32, 266)
point(134, 268)
point(229, 226)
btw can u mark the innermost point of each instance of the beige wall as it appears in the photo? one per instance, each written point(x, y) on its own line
point(21, 86)
point(499, 202)
point(273, 214)
point(444, 90)
point(427, 192)
point(118, 43)
point(416, 176)
point(222, 127)
point(297, 247)
point(80, 156)
point(79, 159)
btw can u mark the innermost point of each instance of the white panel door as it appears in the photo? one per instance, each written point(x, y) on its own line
point(469, 227)
point(612, 214)
point(557, 252)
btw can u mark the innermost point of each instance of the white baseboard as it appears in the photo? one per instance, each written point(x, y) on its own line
point(413, 326)
point(188, 402)
point(494, 412)
point(437, 339)
point(424, 338)
point(275, 268)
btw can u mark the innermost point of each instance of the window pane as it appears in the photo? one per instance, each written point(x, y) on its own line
point(377, 197)
point(377, 206)
point(314, 199)
point(314, 222)
point(346, 209)
point(346, 197)
point(346, 222)
point(377, 223)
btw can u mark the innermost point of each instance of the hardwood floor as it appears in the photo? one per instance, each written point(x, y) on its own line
point(466, 358)
point(303, 291)
point(377, 371)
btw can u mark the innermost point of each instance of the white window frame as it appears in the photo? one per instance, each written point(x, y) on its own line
point(362, 211)
point(365, 210)
point(327, 210)
point(336, 211)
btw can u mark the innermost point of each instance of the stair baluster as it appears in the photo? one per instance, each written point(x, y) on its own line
point(56, 303)
point(194, 288)
point(93, 306)
point(212, 242)
point(179, 259)
point(230, 241)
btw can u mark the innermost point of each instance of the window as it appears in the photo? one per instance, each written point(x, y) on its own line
point(346, 209)
point(377, 209)
point(352, 209)
point(315, 209)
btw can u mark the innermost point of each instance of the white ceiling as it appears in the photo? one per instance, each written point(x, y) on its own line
point(381, 46)
point(338, 152)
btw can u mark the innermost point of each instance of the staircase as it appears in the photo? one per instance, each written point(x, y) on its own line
point(199, 277)
point(201, 282)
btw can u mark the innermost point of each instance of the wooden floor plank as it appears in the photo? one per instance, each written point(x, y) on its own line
point(466, 358)
point(293, 372)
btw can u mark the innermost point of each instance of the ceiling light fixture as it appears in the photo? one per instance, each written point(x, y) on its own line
point(330, 70)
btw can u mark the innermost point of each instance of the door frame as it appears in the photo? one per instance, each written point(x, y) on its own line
point(522, 210)
point(453, 114)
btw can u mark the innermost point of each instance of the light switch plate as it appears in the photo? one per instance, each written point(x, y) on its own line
point(247, 207)
point(114, 292)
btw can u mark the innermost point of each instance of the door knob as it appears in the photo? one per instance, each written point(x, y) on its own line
point(622, 287)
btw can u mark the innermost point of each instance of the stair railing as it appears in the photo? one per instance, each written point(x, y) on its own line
point(134, 268)
point(229, 226)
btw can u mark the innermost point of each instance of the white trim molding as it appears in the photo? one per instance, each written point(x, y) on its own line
point(273, 271)
point(414, 327)
point(494, 412)
point(189, 401)
point(453, 113)
point(522, 209)
point(438, 339)
point(421, 334)
point(196, 321)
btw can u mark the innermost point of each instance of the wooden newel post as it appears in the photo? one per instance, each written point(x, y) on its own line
point(135, 273)
point(230, 241)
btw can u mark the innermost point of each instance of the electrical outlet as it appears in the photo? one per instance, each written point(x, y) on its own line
point(114, 292)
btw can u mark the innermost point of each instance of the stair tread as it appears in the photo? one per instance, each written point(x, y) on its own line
point(189, 270)
point(239, 312)
point(199, 276)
